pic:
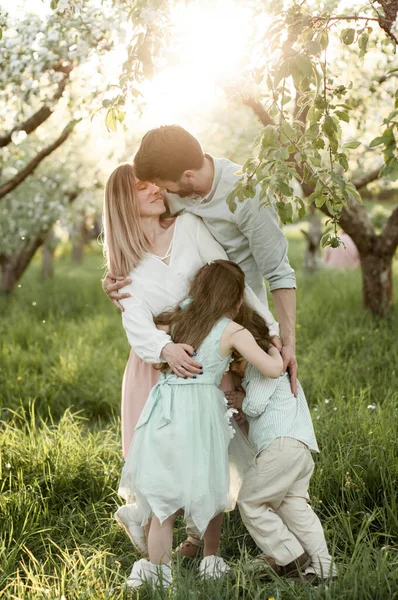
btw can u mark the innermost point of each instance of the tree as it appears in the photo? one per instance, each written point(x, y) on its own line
point(307, 106)
point(46, 94)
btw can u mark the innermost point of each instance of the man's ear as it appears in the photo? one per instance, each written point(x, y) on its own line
point(188, 175)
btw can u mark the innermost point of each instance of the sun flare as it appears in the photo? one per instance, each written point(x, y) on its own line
point(210, 49)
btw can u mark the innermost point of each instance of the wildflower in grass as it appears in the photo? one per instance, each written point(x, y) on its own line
point(298, 325)
point(43, 321)
point(372, 406)
point(19, 378)
point(8, 466)
point(33, 303)
point(326, 401)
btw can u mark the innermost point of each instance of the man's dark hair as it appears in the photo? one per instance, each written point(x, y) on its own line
point(166, 152)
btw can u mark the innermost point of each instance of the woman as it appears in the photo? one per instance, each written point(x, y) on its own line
point(160, 255)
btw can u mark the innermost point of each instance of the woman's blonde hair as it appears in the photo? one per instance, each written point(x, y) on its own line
point(124, 239)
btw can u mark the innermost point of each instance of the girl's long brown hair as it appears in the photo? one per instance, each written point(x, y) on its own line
point(253, 322)
point(216, 291)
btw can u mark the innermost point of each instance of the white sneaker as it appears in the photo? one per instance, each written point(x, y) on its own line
point(127, 517)
point(140, 573)
point(213, 567)
point(144, 571)
point(161, 575)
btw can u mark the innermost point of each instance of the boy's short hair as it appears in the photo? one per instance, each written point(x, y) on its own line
point(166, 152)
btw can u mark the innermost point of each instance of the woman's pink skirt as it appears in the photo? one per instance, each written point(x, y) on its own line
point(138, 380)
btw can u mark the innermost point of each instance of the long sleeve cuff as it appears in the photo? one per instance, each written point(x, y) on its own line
point(286, 282)
point(249, 410)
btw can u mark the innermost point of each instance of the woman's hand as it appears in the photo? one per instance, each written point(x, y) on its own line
point(179, 358)
point(111, 285)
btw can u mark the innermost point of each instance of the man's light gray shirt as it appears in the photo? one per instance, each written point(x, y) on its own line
point(251, 236)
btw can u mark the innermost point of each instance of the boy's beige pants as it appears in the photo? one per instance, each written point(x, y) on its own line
point(273, 505)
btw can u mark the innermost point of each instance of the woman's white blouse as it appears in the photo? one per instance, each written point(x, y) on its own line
point(157, 286)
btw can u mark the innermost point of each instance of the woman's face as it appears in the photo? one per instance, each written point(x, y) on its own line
point(150, 199)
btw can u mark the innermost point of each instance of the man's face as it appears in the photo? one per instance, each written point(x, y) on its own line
point(183, 188)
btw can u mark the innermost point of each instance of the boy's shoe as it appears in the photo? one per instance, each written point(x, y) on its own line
point(293, 569)
point(261, 561)
point(140, 573)
point(188, 549)
point(126, 516)
point(213, 567)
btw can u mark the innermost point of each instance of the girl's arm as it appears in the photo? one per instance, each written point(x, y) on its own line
point(241, 340)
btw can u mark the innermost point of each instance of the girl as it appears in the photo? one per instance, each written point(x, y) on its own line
point(178, 459)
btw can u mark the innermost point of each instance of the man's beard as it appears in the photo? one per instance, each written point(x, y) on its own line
point(186, 190)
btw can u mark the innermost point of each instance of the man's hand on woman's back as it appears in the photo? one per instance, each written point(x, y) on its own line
point(111, 286)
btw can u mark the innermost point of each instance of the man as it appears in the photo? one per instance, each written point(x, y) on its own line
point(195, 181)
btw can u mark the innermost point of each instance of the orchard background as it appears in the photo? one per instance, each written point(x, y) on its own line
point(304, 96)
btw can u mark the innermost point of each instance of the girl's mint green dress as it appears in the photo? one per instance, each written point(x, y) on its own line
point(178, 457)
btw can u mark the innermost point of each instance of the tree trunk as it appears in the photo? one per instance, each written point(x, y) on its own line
point(13, 266)
point(81, 237)
point(49, 248)
point(377, 283)
point(312, 254)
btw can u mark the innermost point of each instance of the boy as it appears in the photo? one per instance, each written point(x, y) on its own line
point(273, 498)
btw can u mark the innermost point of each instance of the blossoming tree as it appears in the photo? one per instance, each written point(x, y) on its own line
point(50, 80)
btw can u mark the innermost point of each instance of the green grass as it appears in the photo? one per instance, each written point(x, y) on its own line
point(60, 445)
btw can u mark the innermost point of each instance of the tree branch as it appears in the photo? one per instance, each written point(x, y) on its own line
point(368, 178)
point(258, 110)
point(10, 185)
point(43, 113)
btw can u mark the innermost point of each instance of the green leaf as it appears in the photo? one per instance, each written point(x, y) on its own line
point(120, 115)
point(304, 64)
point(347, 36)
point(313, 48)
point(231, 203)
point(345, 105)
point(351, 145)
point(325, 240)
point(329, 126)
point(343, 116)
point(324, 39)
point(377, 141)
point(270, 137)
point(301, 210)
point(363, 44)
point(319, 143)
point(320, 200)
point(285, 189)
point(110, 119)
point(281, 72)
point(352, 190)
point(390, 169)
point(343, 161)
